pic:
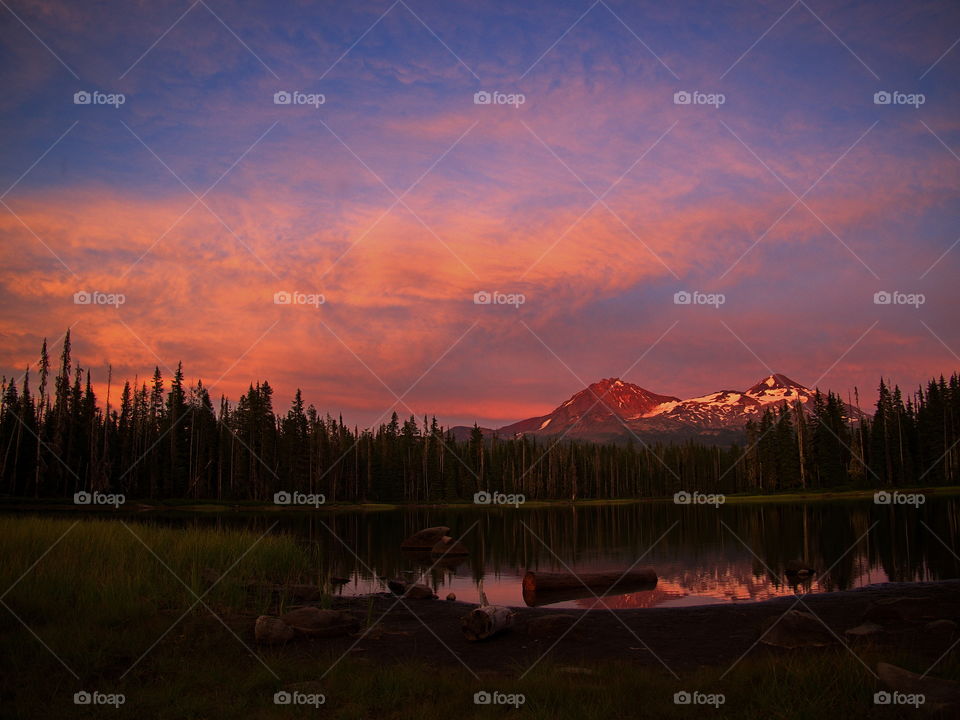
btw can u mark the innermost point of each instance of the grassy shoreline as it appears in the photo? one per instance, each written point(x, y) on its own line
point(95, 599)
point(201, 506)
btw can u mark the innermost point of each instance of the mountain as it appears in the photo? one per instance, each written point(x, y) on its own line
point(599, 411)
point(614, 410)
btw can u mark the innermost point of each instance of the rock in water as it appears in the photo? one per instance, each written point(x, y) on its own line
point(795, 629)
point(425, 539)
point(939, 696)
point(451, 597)
point(315, 622)
point(272, 631)
point(419, 592)
point(398, 586)
point(448, 546)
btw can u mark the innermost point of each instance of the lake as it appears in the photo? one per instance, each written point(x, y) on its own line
point(702, 554)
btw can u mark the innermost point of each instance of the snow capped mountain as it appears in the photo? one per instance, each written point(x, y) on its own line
point(599, 410)
point(615, 410)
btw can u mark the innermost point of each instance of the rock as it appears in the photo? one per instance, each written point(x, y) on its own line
point(448, 546)
point(315, 622)
point(419, 592)
point(798, 568)
point(451, 597)
point(795, 629)
point(892, 611)
point(398, 586)
point(425, 539)
point(938, 695)
point(272, 631)
point(550, 625)
point(941, 627)
point(866, 629)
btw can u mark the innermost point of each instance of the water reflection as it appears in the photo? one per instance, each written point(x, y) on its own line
point(702, 555)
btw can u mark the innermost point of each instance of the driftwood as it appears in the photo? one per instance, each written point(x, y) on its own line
point(425, 539)
point(485, 621)
point(544, 588)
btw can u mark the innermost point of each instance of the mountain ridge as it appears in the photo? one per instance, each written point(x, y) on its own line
point(612, 410)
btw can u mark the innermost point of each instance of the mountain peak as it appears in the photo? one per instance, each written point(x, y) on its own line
point(774, 382)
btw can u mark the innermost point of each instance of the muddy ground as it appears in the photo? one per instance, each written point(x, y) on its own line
point(713, 635)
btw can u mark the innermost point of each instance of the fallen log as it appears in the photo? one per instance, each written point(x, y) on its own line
point(539, 597)
point(485, 621)
point(599, 581)
point(425, 539)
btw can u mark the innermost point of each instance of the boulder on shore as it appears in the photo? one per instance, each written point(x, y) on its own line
point(863, 630)
point(939, 696)
point(425, 539)
point(901, 610)
point(272, 631)
point(796, 629)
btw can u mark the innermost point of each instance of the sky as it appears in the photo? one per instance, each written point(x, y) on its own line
point(587, 168)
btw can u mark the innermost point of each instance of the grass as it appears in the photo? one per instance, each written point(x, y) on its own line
point(104, 604)
point(214, 506)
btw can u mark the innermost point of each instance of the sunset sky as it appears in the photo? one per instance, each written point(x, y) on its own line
point(398, 198)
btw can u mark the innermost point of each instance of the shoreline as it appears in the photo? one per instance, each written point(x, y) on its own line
point(200, 506)
point(695, 636)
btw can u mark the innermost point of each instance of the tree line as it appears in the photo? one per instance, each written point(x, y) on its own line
point(165, 439)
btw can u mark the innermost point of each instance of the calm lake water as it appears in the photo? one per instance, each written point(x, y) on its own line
point(735, 553)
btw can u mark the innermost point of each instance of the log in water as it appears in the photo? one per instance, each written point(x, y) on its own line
point(544, 588)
